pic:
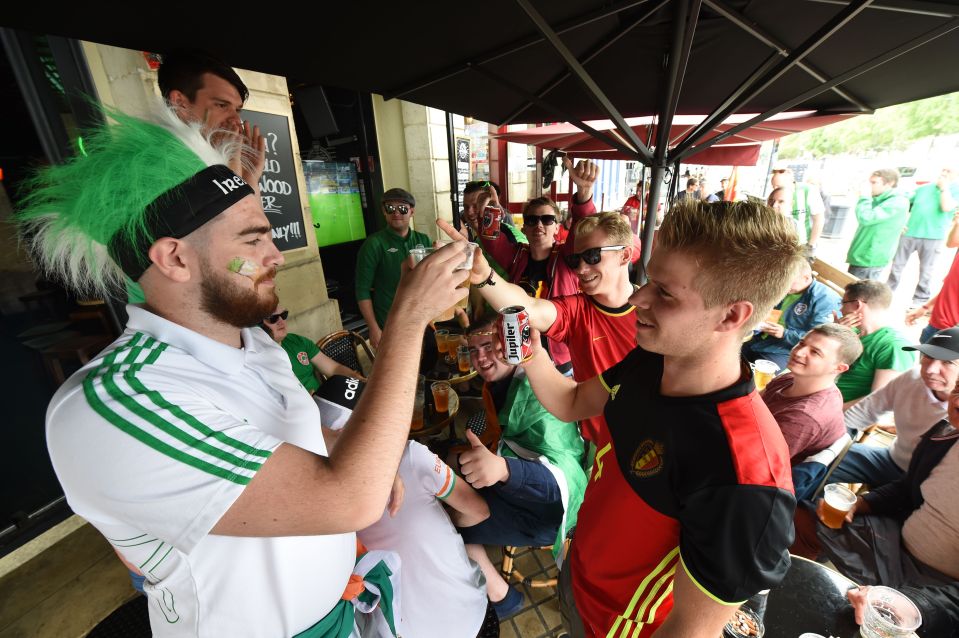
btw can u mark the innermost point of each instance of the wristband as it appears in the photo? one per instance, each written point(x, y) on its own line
point(488, 281)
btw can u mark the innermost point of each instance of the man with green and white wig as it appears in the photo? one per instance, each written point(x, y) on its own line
point(189, 443)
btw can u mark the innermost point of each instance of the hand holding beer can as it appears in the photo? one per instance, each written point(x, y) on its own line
point(492, 217)
point(514, 334)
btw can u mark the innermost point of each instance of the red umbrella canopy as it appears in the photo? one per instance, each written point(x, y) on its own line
point(741, 149)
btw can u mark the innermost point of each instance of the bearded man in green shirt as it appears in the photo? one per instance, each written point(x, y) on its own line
point(381, 257)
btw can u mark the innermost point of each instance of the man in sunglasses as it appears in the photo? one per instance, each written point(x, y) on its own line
point(380, 257)
point(596, 323)
point(305, 357)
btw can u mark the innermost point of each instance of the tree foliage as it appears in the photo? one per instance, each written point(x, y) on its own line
point(891, 128)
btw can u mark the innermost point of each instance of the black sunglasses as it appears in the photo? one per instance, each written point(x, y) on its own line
point(280, 315)
point(591, 256)
point(402, 209)
point(532, 220)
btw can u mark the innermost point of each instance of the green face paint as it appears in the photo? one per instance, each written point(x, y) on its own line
point(244, 267)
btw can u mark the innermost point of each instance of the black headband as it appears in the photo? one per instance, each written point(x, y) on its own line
point(177, 213)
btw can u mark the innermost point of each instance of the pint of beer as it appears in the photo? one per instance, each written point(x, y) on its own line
point(441, 396)
point(463, 359)
point(764, 371)
point(440, 336)
point(837, 501)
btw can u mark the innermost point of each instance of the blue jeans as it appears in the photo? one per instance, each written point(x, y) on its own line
point(525, 511)
point(928, 332)
point(806, 478)
point(137, 580)
point(866, 464)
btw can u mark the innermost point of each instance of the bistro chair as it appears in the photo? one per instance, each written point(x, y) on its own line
point(509, 571)
point(347, 347)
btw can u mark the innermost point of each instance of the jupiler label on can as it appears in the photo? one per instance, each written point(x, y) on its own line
point(492, 217)
point(514, 334)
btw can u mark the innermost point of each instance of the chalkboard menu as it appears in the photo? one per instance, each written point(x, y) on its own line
point(278, 187)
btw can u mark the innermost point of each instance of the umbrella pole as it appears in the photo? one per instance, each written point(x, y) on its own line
point(649, 219)
point(454, 175)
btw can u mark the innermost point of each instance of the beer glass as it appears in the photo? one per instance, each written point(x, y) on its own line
point(452, 343)
point(463, 358)
point(764, 371)
point(837, 501)
point(889, 614)
point(441, 335)
point(441, 396)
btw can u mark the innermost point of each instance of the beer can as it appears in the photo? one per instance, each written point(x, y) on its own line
point(492, 216)
point(514, 334)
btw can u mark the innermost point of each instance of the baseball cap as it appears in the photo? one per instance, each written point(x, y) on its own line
point(399, 195)
point(944, 345)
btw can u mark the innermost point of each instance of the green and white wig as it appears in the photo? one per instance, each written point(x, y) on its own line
point(90, 222)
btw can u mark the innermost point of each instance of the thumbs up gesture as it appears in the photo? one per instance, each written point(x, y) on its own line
point(479, 466)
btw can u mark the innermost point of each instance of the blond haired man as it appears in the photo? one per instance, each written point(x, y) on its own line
point(687, 451)
point(598, 323)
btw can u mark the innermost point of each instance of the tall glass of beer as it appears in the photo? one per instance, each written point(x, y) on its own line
point(441, 335)
point(441, 396)
point(463, 359)
point(837, 501)
point(764, 371)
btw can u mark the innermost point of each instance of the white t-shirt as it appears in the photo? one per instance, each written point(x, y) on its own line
point(156, 438)
point(444, 592)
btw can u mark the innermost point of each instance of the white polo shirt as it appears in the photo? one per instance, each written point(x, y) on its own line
point(156, 438)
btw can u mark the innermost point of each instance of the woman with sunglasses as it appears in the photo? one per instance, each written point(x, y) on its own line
point(305, 357)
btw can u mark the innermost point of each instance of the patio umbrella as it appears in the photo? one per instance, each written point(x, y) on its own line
point(509, 61)
point(741, 149)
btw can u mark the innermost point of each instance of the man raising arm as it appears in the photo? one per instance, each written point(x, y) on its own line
point(189, 442)
point(598, 323)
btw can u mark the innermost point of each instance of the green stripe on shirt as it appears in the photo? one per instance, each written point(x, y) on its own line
point(104, 378)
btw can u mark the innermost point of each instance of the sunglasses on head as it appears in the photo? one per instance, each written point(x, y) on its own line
point(280, 315)
point(532, 220)
point(591, 255)
point(780, 171)
point(402, 209)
